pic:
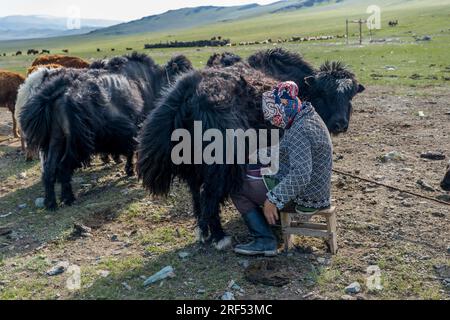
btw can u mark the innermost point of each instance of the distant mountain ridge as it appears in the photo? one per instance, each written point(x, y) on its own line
point(194, 17)
point(34, 26)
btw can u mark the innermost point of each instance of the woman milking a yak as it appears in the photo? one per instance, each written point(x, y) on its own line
point(241, 95)
point(272, 90)
point(305, 169)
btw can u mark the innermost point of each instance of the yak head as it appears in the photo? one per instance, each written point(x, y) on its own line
point(331, 91)
point(445, 185)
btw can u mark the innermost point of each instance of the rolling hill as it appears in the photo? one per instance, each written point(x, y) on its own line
point(194, 17)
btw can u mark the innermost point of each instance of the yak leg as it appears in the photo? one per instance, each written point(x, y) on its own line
point(28, 153)
point(105, 158)
point(52, 158)
point(117, 159)
point(129, 167)
point(210, 201)
point(65, 177)
point(202, 228)
point(15, 131)
point(22, 141)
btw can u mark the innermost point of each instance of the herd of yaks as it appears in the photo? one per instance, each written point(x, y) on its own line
point(228, 44)
point(292, 39)
point(33, 52)
point(69, 110)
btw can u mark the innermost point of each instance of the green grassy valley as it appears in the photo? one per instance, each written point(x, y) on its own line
point(415, 63)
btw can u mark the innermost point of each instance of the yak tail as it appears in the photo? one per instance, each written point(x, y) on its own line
point(36, 115)
point(155, 166)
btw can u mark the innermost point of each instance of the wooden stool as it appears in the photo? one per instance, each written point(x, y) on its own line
point(326, 231)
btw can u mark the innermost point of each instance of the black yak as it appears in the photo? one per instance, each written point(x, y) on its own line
point(224, 98)
point(149, 77)
point(78, 113)
point(221, 99)
point(32, 52)
point(330, 89)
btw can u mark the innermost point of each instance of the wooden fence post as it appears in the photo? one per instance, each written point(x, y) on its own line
point(346, 29)
point(360, 31)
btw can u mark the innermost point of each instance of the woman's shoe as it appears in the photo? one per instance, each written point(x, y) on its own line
point(264, 242)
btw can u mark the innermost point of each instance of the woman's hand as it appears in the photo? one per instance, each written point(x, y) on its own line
point(270, 212)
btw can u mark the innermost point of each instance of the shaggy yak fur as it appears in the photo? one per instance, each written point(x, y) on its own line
point(225, 59)
point(150, 84)
point(48, 66)
point(329, 89)
point(229, 98)
point(65, 61)
point(30, 87)
point(9, 85)
point(79, 113)
point(446, 182)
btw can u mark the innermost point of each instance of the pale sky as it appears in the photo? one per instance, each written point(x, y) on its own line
point(108, 9)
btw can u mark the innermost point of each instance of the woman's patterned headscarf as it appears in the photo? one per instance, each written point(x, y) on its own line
point(282, 105)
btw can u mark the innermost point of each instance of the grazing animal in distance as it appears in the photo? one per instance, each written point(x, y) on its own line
point(65, 50)
point(45, 51)
point(32, 52)
point(129, 49)
point(18, 53)
point(65, 61)
point(445, 184)
point(9, 85)
point(69, 126)
point(393, 23)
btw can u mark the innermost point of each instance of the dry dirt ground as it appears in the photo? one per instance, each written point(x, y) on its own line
point(134, 235)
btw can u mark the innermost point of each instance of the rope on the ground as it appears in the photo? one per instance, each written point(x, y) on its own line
point(390, 187)
point(9, 140)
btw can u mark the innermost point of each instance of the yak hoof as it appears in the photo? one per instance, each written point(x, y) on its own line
point(199, 236)
point(129, 172)
point(52, 206)
point(69, 201)
point(224, 244)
